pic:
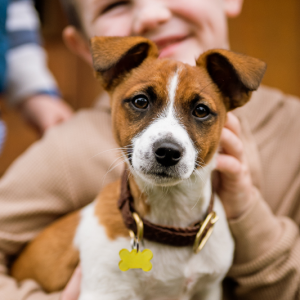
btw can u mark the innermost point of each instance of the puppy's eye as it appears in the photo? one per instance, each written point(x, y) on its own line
point(140, 102)
point(201, 111)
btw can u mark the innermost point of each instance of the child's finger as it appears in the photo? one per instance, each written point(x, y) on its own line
point(72, 290)
point(228, 166)
point(233, 123)
point(231, 144)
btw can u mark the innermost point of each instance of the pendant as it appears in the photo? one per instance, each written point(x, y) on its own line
point(135, 260)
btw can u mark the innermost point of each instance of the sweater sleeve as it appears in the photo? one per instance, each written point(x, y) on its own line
point(26, 290)
point(267, 260)
point(31, 197)
point(27, 72)
point(60, 173)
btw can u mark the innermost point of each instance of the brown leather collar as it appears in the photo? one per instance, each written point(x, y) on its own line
point(173, 236)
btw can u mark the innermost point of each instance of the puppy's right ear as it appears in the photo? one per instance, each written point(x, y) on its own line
point(114, 57)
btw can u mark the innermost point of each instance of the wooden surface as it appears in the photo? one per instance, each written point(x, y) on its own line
point(266, 29)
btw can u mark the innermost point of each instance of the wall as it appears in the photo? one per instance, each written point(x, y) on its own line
point(270, 30)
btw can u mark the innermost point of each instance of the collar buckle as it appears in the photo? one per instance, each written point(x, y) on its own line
point(205, 231)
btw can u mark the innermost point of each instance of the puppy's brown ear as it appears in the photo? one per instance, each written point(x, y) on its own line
point(114, 57)
point(236, 75)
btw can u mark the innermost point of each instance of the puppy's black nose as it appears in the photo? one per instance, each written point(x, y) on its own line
point(168, 154)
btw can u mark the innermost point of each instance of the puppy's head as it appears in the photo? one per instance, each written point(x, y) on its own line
point(169, 115)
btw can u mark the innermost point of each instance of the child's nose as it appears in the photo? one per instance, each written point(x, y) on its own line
point(149, 15)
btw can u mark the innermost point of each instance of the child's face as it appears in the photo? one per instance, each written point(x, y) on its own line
point(182, 29)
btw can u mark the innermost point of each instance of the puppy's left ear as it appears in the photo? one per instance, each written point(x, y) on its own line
point(114, 57)
point(236, 75)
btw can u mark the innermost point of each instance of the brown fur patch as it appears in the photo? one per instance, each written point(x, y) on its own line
point(107, 210)
point(140, 198)
point(51, 258)
point(108, 213)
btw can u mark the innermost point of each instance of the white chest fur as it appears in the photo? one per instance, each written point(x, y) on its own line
point(177, 272)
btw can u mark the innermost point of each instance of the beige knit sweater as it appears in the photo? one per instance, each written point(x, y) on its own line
point(68, 167)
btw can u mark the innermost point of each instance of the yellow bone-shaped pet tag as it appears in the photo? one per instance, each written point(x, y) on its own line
point(135, 260)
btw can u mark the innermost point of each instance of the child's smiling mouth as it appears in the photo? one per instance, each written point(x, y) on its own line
point(166, 46)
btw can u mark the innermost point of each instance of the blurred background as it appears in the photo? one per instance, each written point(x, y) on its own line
point(266, 29)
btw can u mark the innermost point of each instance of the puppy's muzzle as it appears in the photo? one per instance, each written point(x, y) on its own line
point(167, 154)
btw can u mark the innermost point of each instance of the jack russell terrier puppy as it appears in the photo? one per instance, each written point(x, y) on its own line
point(167, 119)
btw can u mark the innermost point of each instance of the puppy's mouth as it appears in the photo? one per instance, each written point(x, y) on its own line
point(164, 163)
point(160, 178)
point(161, 175)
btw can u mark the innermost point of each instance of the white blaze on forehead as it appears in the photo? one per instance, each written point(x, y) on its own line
point(172, 88)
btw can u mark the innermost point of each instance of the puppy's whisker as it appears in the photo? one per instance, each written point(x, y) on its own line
point(199, 174)
point(196, 203)
point(201, 163)
point(110, 150)
point(129, 174)
point(115, 162)
point(111, 167)
point(122, 162)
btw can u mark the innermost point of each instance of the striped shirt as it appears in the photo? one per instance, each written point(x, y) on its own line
point(23, 67)
point(3, 45)
point(27, 72)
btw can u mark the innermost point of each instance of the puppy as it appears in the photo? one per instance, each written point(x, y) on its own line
point(167, 118)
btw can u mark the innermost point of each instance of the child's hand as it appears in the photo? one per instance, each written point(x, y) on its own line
point(234, 184)
point(43, 111)
point(72, 290)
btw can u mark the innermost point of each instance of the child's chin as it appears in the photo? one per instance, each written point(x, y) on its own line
point(173, 51)
point(180, 52)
